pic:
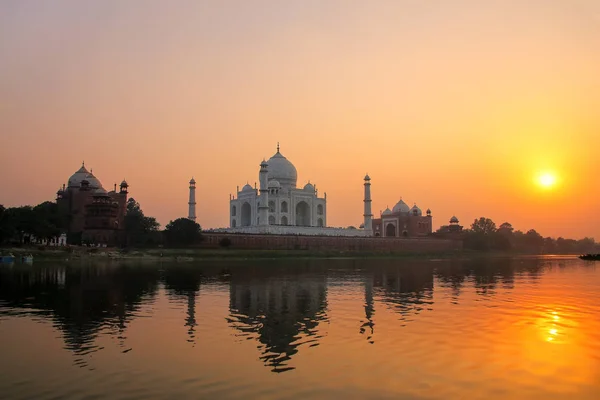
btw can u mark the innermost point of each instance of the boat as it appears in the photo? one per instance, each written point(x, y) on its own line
point(590, 257)
point(27, 259)
point(7, 259)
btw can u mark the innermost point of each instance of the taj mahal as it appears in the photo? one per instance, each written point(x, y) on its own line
point(279, 206)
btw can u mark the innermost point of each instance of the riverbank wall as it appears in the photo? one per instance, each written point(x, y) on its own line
point(332, 243)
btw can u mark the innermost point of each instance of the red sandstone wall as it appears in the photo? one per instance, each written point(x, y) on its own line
point(291, 242)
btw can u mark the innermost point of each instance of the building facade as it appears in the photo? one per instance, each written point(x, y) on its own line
point(278, 201)
point(91, 214)
point(402, 221)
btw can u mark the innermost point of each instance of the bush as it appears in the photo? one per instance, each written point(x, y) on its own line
point(225, 242)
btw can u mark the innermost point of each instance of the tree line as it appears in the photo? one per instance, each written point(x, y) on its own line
point(45, 221)
point(483, 235)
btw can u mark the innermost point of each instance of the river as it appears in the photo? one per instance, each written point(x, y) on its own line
point(484, 328)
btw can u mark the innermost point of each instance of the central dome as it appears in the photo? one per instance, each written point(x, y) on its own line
point(282, 170)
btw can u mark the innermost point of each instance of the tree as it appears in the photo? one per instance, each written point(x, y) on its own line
point(484, 226)
point(47, 220)
point(506, 227)
point(534, 241)
point(183, 231)
point(139, 229)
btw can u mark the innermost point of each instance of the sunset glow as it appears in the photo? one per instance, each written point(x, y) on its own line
point(445, 104)
point(547, 180)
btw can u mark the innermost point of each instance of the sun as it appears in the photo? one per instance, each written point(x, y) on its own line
point(546, 180)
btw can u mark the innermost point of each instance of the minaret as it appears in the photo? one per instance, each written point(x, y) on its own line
point(263, 209)
point(368, 215)
point(192, 202)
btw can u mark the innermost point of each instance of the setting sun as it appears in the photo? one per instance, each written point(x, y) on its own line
point(547, 180)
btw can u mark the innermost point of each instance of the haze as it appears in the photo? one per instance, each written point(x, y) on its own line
point(455, 105)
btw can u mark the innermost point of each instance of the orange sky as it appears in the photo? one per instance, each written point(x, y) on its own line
point(454, 105)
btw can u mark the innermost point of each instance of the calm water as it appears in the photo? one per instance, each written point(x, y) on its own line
point(478, 329)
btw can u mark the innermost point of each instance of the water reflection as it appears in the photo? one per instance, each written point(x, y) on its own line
point(80, 300)
point(283, 308)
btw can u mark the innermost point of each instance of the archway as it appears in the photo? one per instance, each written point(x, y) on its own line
point(233, 223)
point(246, 214)
point(233, 211)
point(271, 220)
point(302, 214)
point(377, 234)
point(320, 222)
point(390, 230)
point(320, 209)
point(284, 220)
point(284, 207)
point(271, 206)
point(405, 233)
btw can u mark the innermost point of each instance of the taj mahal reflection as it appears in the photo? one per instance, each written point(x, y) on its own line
point(283, 307)
point(283, 312)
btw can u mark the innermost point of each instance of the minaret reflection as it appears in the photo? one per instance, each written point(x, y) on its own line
point(281, 308)
point(183, 282)
point(406, 289)
point(369, 309)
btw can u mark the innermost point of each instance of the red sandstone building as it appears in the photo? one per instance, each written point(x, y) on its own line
point(402, 221)
point(91, 214)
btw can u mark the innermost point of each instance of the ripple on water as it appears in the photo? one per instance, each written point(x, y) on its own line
point(521, 328)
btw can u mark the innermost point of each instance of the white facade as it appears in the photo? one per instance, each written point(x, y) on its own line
point(277, 201)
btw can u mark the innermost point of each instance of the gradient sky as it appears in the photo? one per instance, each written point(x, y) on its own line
point(453, 104)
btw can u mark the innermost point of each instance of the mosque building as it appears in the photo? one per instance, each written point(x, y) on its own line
point(278, 205)
point(403, 221)
point(91, 214)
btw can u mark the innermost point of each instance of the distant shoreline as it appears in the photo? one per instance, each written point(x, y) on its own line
point(193, 254)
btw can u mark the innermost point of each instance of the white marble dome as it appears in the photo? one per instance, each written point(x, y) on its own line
point(273, 184)
point(282, 170)
point(247, 188)
point(401, 207)
point(454, 220)
point(78, 176)
point(387, 211)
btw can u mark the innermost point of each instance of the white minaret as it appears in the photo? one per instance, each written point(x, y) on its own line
point(192, 202)
point(263, 210)
point(368, 214)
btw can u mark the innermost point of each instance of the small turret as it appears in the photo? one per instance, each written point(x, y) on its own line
point(124, 186)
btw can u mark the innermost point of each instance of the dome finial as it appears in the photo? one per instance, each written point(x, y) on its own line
point(83, 163)
point(278, 147)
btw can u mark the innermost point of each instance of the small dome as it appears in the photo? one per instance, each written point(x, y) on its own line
point(367, 177)
point(309, 187)
point(416, 210)
point(124, 183)
point(78, 176)
point(247, 188)
point(387, 211)
point(100, 192)
point(274, 184)
point(454, 220)
point(401, 207)
point(428, 211)
point(192, 181)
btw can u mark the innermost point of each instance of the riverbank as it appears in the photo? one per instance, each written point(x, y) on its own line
point(41, 253)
